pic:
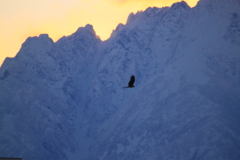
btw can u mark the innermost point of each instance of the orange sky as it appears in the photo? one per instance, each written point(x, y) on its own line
point(20, 19)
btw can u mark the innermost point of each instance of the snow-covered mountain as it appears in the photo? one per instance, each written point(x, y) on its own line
point(66, 100)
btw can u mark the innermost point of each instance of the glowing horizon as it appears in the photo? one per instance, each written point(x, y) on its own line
point(21, 19)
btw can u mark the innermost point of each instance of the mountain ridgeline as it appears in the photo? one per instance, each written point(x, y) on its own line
point(65, 100)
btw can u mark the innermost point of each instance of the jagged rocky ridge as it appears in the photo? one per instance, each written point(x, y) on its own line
point(65, 100)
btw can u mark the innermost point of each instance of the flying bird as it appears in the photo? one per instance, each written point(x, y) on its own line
point(131, 82)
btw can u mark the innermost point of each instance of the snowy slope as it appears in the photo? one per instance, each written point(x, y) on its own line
point(40, 96)
point(186, 103)
point(66, 100)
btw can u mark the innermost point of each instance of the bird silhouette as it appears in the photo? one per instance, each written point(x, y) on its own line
point(131, 82)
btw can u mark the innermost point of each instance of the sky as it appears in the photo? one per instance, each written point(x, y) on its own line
point(20, 19)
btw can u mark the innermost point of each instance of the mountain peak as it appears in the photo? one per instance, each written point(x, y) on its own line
point(130, 17)
point(37, 44)
point(181, 4)
point(118, 28)
point(41, 37)
point(44, 36)
point(87, 30)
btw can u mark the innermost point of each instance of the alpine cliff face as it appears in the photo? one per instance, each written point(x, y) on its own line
point(66, 100)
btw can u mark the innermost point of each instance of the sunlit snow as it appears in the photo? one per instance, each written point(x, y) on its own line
point(66, 100)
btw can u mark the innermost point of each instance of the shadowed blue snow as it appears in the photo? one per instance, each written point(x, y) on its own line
point(66, 100)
